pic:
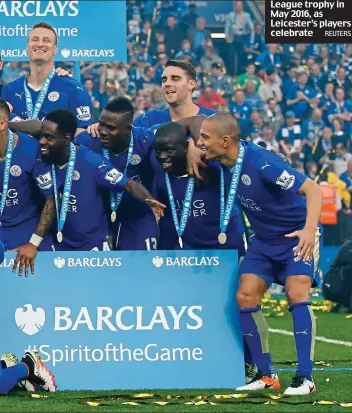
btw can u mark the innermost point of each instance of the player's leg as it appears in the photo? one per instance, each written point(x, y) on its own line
point(297, 290)
point(253, 285)
point(30, 368)
point(298, 283)
point(9, 360)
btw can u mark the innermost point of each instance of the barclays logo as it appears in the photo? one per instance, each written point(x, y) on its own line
point(87, 262)
point(59, 262)
point(28, 320)
point(186, 261)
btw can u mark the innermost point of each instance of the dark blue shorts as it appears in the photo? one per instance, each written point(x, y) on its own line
point(274, 262)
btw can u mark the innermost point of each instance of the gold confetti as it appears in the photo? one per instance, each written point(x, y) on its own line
point(38, 396)
point(131, 404)
point(327, 380)
point(349, 316)
point(143, 396)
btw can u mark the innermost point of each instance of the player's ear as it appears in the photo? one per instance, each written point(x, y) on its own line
point(192, 84)
point(226, 141)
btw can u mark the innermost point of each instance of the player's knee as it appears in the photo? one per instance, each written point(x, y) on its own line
point(246, 299)
point(295, 296)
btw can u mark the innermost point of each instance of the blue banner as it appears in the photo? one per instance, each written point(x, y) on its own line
point(128, 320)
point(87, 30)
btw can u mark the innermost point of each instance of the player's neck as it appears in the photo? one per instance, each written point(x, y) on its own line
point(63, 157)
point(38, 73)
point(122, 145)
point(230, 158)
point(4, 140)
point(183, 110)
point(181, 169)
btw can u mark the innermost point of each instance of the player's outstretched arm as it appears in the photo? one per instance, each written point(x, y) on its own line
point(27, 253)
point(141, 193)
point(30, 127)
point(314, 195)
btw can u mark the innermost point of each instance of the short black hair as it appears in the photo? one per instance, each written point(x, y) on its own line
point(171, 129)
point(43, 25)
point(4, 108)
point(120, 105)
point(187, 67)
point(65, 120)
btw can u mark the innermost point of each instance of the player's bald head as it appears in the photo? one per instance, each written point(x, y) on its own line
point(219, 135)
point(224, 124)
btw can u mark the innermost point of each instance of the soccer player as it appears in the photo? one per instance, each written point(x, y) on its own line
point(192, 207)
point(283, 207)
point(42, 89)
point(133, 225)
point(25, 214)
point(29, 373)
point(82, 178)
point(178, 82)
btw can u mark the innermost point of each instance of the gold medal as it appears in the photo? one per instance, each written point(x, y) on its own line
point(113, 216)
point(59, 236)
point(180, 242)
point(222, 238)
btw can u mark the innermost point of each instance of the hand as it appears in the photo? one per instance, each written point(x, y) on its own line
point(195, 159)
point(93, 130)
point(301, 95)
point(25, 257)
point(306, 243)
point(62, 72)
point(157, 207)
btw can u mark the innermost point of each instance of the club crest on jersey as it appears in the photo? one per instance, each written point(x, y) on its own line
point(54, 96)
point(76, 175)
point(246, 180)
point(15, 170)
point(286, 180)
point(136, 159)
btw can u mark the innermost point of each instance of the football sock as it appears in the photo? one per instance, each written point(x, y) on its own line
point(304, 331)
point(255, 334)
point(10, 376)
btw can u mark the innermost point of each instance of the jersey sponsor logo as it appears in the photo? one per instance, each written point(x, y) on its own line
point(113, 176)
point(54, 96)
point(286, 180)
point(45, 181)
point(76, 175)
point(136, 159)
point(246, 180)
point(15, 170)
point(83, 113)
point(12, 198)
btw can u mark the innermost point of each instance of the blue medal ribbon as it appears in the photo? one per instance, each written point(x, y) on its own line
point(61, 215)
point(225, 212)
point(187, 204)
point(8, 158)
point(34, 114)
point(115, 199)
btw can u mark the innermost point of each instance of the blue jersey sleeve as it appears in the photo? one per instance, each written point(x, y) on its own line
point(81, 106)
point(280, 174)
point(43, 178)
point(84, 138)
point(6, 95)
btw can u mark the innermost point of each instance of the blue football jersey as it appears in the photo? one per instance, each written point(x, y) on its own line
point(63, 93)
point(24, 203)
point(86, 223)
point(203, 226)
point(139, 169)
point(267, 192)
point(156, 117)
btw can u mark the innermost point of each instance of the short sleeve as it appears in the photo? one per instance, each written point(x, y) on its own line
point(108, 177)
point(274, 171)
point(43, 178)
point(81, 106)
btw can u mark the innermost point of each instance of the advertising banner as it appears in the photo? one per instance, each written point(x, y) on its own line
point(127, 320)
point(87, 30)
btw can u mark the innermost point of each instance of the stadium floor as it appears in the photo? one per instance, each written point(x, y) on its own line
point(333, 378)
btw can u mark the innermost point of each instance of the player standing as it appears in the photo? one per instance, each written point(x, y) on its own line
point(34, 95)
point(283, 207)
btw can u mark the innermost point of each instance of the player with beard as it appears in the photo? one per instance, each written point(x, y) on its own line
point(82, 178)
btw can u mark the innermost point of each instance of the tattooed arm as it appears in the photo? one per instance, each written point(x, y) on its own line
point(141, 193)
point(27, 253)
